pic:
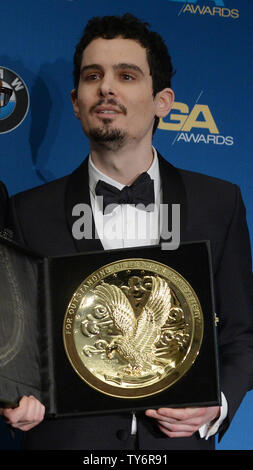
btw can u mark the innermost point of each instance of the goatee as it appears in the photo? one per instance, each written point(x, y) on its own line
point(112, 139)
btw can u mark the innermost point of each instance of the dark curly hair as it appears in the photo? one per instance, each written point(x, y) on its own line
point(129, 27)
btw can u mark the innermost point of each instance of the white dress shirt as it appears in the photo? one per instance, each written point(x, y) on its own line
point(127, 226)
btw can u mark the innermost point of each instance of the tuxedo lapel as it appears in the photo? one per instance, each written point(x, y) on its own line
point(78, 192)
point(174, 192)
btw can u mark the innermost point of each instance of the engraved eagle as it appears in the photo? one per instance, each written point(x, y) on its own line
point(138, 336)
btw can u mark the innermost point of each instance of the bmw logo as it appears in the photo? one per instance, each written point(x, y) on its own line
point(14, 100)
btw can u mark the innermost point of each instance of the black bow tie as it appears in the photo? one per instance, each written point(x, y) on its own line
point(140, 192)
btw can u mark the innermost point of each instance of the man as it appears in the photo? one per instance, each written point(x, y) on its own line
point(122, 87)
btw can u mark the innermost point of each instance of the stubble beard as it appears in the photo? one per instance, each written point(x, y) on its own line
point(108, 138)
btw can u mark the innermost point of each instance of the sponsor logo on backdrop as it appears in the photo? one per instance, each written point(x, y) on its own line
point(15, 110)
point(207, 7)
point(194, 125)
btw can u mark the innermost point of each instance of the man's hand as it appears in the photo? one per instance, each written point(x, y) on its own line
point(29, 413)
point(183, 422)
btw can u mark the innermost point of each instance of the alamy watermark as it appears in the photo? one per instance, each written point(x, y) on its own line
point(167, 228)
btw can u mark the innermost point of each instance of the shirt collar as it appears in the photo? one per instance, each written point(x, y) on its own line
point(95, 175)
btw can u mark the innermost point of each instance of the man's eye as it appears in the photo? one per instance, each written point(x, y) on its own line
point(127, 77)
point(92, 76)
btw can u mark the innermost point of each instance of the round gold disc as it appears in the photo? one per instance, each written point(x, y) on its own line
point(133, 328)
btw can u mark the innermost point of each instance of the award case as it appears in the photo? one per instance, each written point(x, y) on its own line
point(35, 294)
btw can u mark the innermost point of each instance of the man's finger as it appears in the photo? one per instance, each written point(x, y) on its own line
point(173, 434)
point(179, 427)
point(28, 414)
point(175, 415)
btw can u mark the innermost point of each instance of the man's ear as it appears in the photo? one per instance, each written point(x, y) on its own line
point(164, 100)
point(75, 103)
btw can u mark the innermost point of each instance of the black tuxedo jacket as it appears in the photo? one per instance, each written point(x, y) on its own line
point(211, 209)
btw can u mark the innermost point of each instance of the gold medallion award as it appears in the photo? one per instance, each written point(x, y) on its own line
point(133, 328)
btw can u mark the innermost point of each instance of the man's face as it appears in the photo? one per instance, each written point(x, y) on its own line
point(115, 99)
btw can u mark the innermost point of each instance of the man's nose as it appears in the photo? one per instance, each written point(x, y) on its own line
point(107, 86)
